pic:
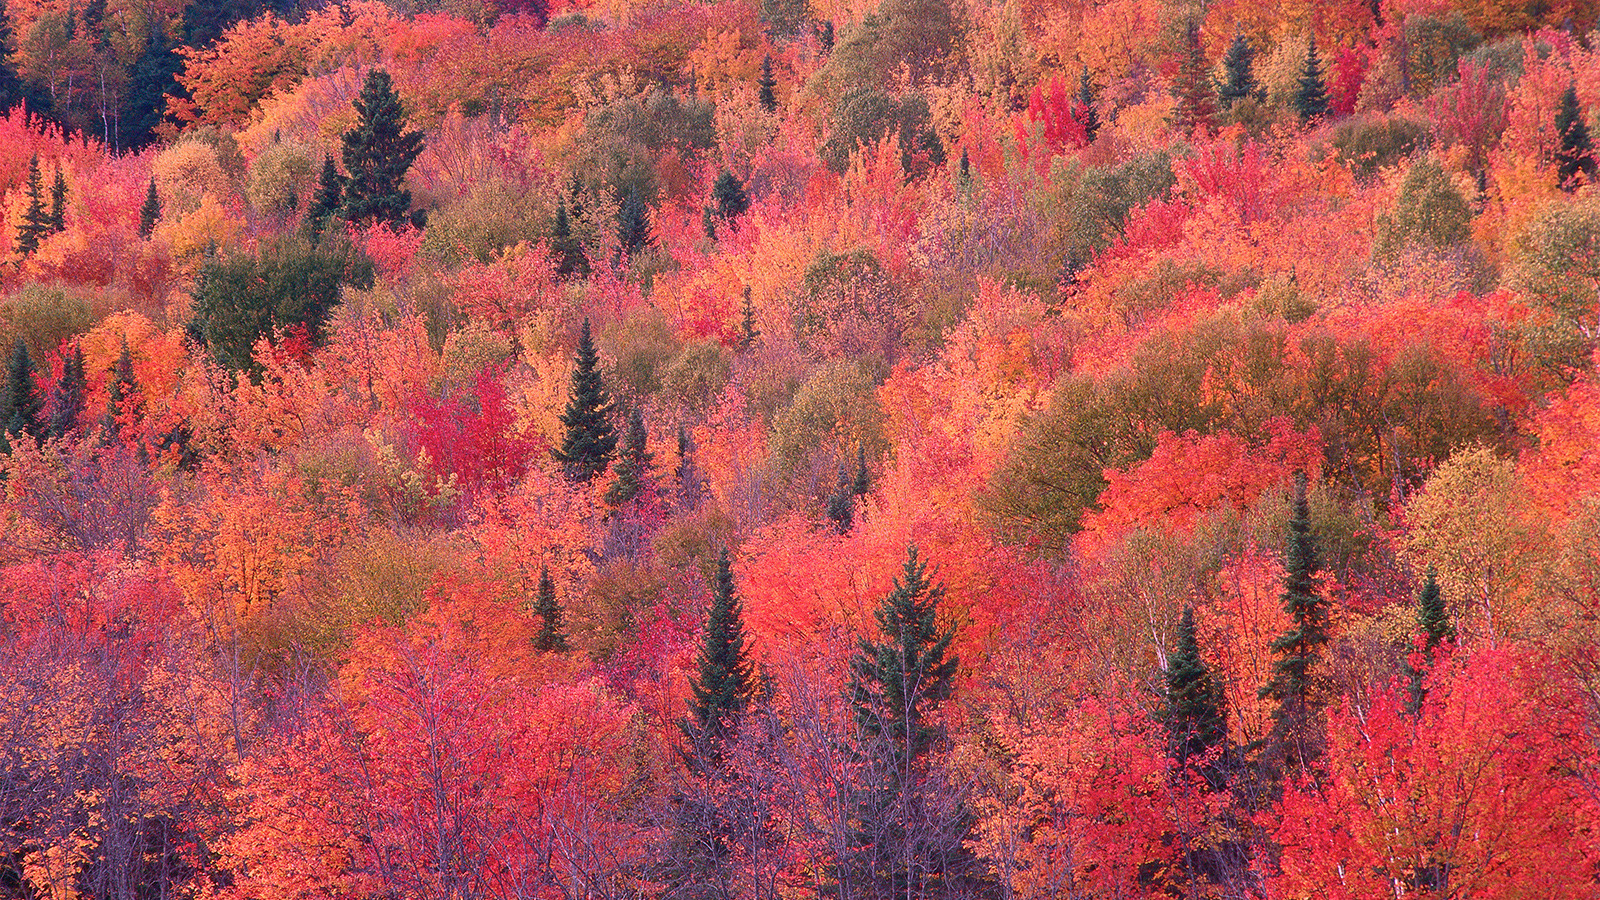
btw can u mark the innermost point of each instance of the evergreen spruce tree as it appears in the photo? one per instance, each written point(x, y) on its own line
point(57, 222)
point(633, 463)
point(1239, 64)
point(591, 440)
point(1195, 712)
point(150, 212)
point(911, 840)
point(1299, 649)
point(723, 682)
point(152, 78)
point(35, 221)
point(841, 507)
point(964, 172)
point(1576, 154)
point(552, 637)
point(565, 247)
point(729, 196)
point(24, 409)
point(633, 224)
point(12, 91)
point(123, 395)
point(1197, 105)
point(1087, 102)
point(328, 198)
point(767, 87)
point(67, 400)
point(378, 151)
point(1310, 98)
point(1434, 629)
point(749, 331)
point(826, 38)
point(862, 485)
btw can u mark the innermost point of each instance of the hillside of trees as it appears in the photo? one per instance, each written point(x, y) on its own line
point(799, 449)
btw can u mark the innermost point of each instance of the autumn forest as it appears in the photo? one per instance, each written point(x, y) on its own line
point(799, 449)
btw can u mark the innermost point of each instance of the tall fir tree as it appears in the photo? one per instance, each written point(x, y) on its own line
point(1239, 68)
point(1195, 713)
point(1299, 649)
point(911, 840)
point(57, 222)
point(767, 86)
point(1575, 155)
point(841, 506)
point(1088, 103)
point(723, 682)
point(150, 212)
point(67, 398)
point(378, 152)
point(1433, 630)
point(590, 440)
point(570, 259)
point(552, 636)
point(633, 463)
point(1310, 100)
point(633, 224)
point(24, 409)
point(151, 79)
point(729, 196)
point(1197, 104)
point(749, 331)
point(122, 397)
point(35, 220)
point(12, 91)
point(327, 199)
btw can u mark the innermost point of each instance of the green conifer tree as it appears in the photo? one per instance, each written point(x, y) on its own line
point(1088, 103)
point(552, 637)
point(565, 247)
point(57, 222)
point(729, 195)
point(378, 152)
point(862, 485)
point(123, 395)
point(1195, 712)
point(1433, 629)
point(633, 224)
point(1310, 98)
point(723, 682)
point(1239, 66)
point(35, 221)
point(328, 198)
point(590, 440)
point(841, 508)
point(1575, 156)
point(67, 399)
point(24, 409)
point(633, 463)
point(749, 331)
point(1197, 105)
point(767, 86)
point(150, 212)
point(1299, 649)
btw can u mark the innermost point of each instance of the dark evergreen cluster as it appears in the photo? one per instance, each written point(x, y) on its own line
point(723, 683)
point(1575, 156)
point(633, 463)
point(378, 152)
point(1240, 80)
point(21, 408)
point(552, 637)
point(1310, 98)
point(591, 439)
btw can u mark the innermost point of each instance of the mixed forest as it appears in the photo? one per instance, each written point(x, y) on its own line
point(832, 449)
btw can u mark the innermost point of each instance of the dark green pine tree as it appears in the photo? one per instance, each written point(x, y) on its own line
point(123, 395)
point(12, 91)
point(749, 331)
point(729, 195)
point(1433, 629)
point(67, 399)
point(328, 198)
point(1239, 66)
point(633, 224)
point(1310, 98)
point(862, 485)
point(150, 212)
point(633, 463)
point(58, 203)
point(723, 682)
point(767, 86)
point(24, 409)
point(825, 37)
point(552, 637)
point(1088, 103)
point(964, 171)
point(591, 440)
point(378, 152)
point(1575, 156)
point(565, 247)
point(152, 78)
point(35, 221)
point(1195, 712)
point(1197, 105)
point(1300, 648)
